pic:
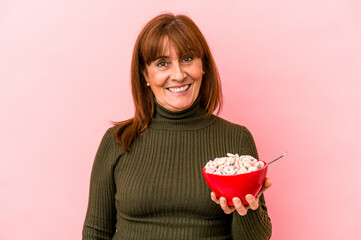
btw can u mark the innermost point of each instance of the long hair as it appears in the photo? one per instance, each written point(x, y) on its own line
point(187, 38)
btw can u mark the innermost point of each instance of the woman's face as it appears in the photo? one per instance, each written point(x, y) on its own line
point(175, 80)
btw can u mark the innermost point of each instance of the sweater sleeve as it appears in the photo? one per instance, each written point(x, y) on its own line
point(100, 220)
point(256, 224)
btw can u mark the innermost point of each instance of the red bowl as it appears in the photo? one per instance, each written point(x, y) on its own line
point(230, 186)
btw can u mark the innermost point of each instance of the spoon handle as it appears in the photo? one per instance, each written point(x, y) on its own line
point(277, 158)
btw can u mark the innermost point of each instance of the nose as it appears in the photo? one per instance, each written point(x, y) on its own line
point(177, 72)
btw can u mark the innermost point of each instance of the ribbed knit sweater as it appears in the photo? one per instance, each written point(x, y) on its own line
point(157, 191)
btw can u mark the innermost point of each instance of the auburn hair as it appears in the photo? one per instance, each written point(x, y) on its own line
point(188, 40)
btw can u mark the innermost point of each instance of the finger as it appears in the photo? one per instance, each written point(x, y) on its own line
point(252, 201)
point(267, 184)
point(241, 209)
point(224, 205)
point(214, 198)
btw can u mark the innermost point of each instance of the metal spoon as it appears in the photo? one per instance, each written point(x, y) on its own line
point(276, 159)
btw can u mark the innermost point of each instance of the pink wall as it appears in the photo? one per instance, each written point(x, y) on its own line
point(290, 70)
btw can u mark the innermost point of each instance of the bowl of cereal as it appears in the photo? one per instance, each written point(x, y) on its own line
point(235, 176)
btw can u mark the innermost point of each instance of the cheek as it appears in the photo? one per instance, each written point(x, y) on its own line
point(198, 75)
point(198, 70)
point(157, 78)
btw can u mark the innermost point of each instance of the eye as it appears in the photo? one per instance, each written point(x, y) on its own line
point(161, 64)
point(187, 59)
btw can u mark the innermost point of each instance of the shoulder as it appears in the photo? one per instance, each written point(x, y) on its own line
point(113, 129)
point(110, 138)
point(237, 136)
point(109, 135)
point(223, 123)
point(233, 128)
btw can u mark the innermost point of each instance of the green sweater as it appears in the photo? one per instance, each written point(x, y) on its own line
point(157, 190)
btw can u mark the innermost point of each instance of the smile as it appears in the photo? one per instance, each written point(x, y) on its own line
point(180, 89)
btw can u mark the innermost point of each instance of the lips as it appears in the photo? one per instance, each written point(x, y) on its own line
point(180, 89)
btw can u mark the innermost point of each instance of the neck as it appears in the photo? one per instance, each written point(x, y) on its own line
point(191, 118)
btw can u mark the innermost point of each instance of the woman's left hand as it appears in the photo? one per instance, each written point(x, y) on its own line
point(242, 209)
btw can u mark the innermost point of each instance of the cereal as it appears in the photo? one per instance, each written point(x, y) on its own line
point(233, 164)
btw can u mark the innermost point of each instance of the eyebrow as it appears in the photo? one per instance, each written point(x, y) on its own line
point(167, 57)
point(160, 57)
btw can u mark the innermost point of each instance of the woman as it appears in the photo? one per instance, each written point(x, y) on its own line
point(146, 181)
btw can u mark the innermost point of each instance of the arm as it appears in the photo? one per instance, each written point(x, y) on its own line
point(100, 218)
point(256, 224)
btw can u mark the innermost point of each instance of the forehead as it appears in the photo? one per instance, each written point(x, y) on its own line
point(161, 44)
point(168, 48)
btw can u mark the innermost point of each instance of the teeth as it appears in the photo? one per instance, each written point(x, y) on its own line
point(178, 90)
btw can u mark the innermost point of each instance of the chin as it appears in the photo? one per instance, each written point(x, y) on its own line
point(182, 107)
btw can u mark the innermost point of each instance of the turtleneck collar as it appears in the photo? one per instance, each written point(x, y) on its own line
point(194, 117)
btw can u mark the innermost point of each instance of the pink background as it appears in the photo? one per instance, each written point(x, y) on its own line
point(291, 73)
